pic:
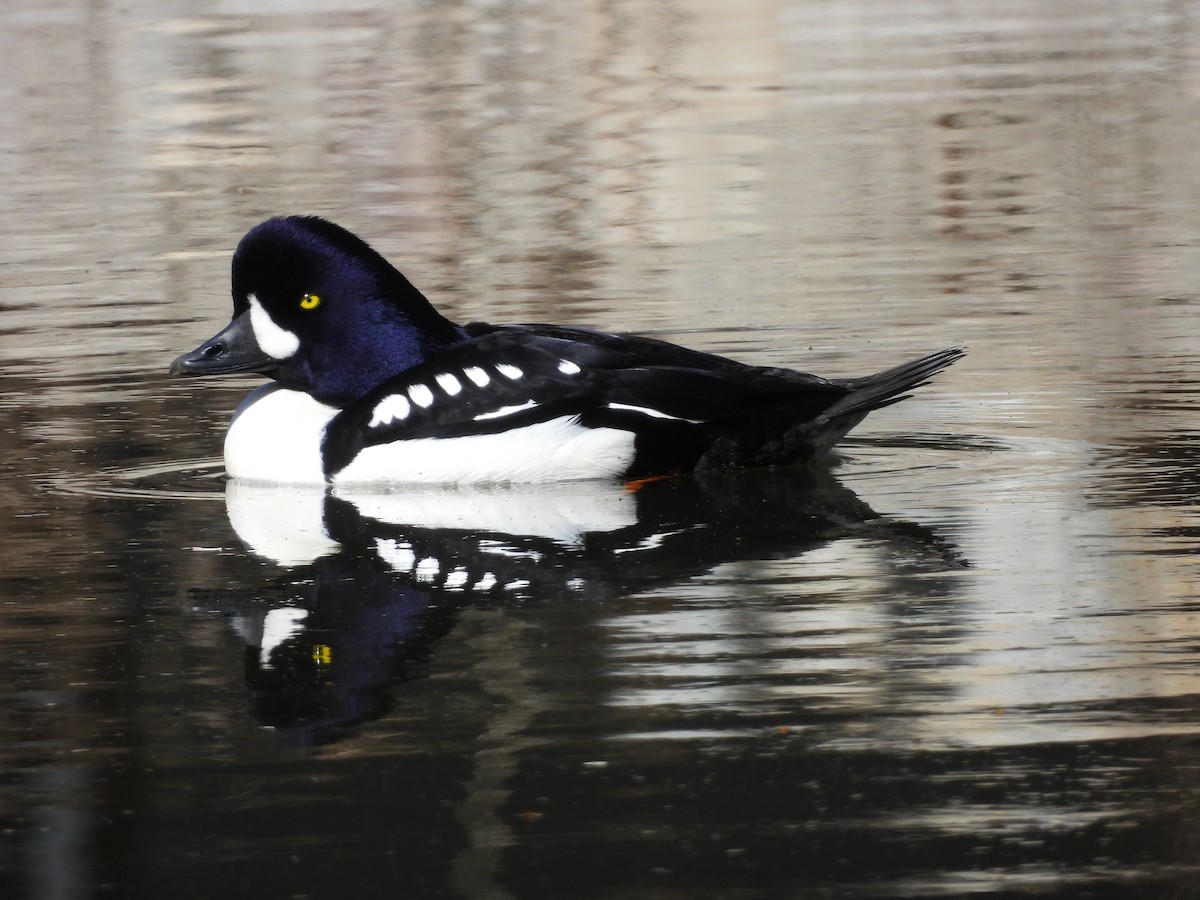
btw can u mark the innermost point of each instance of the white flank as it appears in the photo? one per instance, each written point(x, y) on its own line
point(569, 368)
point(389, 409)
point(512, 373)
point(477, 375)
point(274, 340)
point(558, 450)
point(448, 383)
point(506, 410)
point(275, 436)
point(656, 413)
point(421, 395)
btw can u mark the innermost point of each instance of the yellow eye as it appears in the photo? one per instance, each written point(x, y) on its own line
point(310, 301)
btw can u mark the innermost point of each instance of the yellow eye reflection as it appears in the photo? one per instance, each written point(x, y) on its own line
point(310, 301)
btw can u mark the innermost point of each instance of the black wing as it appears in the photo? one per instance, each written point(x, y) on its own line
point(511, 376)
point(686, 408)
point(674, 380)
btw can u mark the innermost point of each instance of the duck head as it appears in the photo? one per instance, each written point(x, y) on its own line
point(316, 309)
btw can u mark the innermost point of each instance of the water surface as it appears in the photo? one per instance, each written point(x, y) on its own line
point(961, 659)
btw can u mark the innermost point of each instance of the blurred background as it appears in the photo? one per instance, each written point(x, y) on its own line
point(964, 661)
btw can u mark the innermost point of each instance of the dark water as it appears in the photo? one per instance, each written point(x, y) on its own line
point(962, 660)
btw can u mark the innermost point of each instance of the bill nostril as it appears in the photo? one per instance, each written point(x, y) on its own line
point(213, 350)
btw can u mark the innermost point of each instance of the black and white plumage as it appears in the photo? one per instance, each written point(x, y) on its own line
point(374, 386)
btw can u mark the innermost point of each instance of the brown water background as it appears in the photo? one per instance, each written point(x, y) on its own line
point(964, 663)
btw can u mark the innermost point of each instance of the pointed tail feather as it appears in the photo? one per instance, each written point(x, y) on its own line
point(810, 435)
point(867, 394)
point(891, 386)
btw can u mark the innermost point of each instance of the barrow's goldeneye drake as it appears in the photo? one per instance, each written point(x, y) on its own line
point(373, 385)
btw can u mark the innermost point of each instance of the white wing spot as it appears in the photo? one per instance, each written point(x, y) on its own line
point(569, 368)
point(477, 375)
point(505, 411)
point(486, 583)
point(421, 395)
point(388, 410)
point(448, 383)
point(512, 373)
point(456, 580)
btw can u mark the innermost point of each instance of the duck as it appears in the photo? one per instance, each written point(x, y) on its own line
point(370, 385)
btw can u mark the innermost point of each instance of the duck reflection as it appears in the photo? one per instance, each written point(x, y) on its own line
point(373, 580)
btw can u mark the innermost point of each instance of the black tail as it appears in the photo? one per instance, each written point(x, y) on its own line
point(870, 393)
point(886, 388)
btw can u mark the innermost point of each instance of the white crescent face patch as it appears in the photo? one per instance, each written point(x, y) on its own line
point(275, 341)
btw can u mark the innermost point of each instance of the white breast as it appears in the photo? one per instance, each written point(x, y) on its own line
point(275, 436)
